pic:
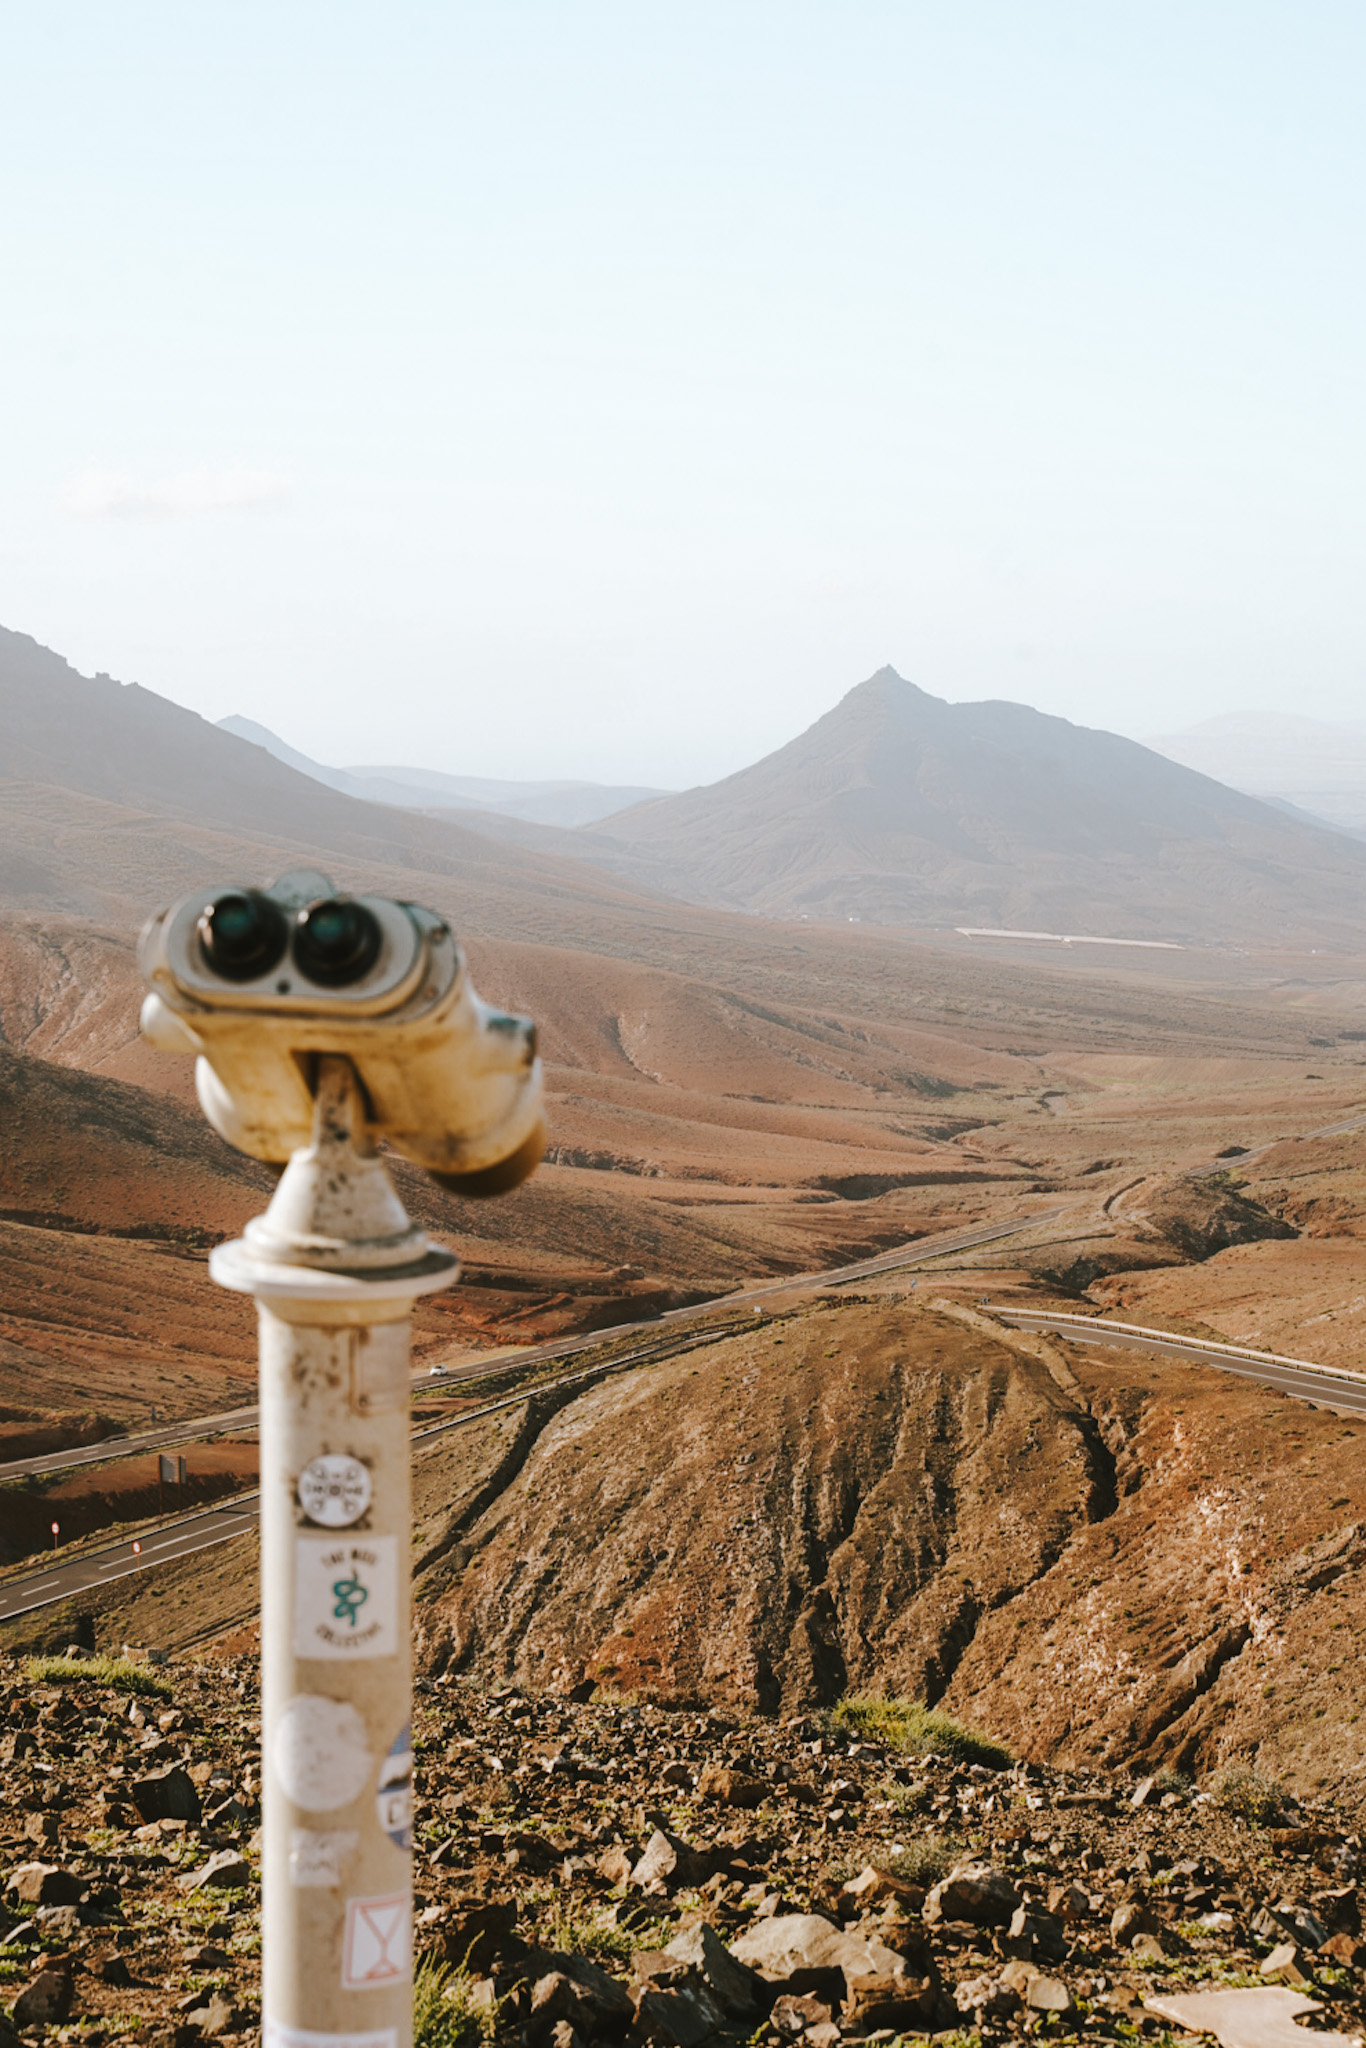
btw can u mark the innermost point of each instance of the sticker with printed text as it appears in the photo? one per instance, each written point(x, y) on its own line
point(395, 1796)
point(345, 1596)
point(378, 1946)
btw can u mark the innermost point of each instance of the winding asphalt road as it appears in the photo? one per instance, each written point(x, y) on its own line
point(235, 1420)
point(1323, 1386)
point(678, 1330)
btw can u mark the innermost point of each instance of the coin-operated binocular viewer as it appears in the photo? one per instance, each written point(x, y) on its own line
point(321, 1023)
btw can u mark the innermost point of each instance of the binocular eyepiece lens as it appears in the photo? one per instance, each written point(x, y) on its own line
point(242, 934)
point(336, 941)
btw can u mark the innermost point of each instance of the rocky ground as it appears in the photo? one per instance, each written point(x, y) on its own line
point(610, 1871)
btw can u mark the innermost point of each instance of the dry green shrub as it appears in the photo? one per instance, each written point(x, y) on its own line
point(1246, 1793)
point(444, 2015)
point(917, 1730)
point(123, 1673)
point(925, 1860)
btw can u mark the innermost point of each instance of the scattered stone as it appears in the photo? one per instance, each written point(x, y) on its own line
point(737, 1987)
point(1069, 1899)
point(1133, 1918)
point(1286, 1965)
point(668, 1861)
point(730, 1788)
point(804, 1952)
point(166, 1795)
point(792, 2015)
point(216, 2017)
point(44, 1884)
point(972, 1891)
point(1036, 1989)
point(478, 1932)
point(1038, 1934)
point(207, 1957)
point(1247, 2018)
point(873, 1887)
point(680, 2011)
point(58, 1923)
point(571, 1988)
point(1048, 1994)
point(986, 1998)
point(46, 2001)
point(226, 1869)
point(1069, 1903)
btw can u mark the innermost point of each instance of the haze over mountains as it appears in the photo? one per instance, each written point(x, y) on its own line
point(423, 789)
point(899, 808)
point(1315, 766)
point(113, 799)
point(895, 808)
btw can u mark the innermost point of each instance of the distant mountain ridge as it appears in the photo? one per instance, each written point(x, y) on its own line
point(895, 808)
point(112, 799)
point(899, 808)
point(566, 804)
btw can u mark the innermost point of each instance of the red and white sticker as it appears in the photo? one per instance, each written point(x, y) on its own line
point(378, 1948)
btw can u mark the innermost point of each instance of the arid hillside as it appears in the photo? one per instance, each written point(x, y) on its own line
point(113, 800)
point(898, 808)
point(1096, 1557)
point(1096, 1561)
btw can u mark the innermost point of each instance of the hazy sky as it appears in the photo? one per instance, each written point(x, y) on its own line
point(602, 389)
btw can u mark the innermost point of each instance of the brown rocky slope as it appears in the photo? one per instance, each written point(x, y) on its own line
point(612, 1872)
point(1096, 1561)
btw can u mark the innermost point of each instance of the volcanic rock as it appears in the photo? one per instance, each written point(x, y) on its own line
point(46, 2000)
point(730, 1788)
point(166, 1795)
point(972, 1891)
point(738, 1988)
point(44, 1884)
point(567, 1987)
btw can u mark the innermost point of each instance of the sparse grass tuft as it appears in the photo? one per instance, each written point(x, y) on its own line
point(917, 1730)
point(121, 1672)
point(926, 1859)
point(584, 1934)
point(1246, 1793)
point(906, 1798)
point(443, 2013)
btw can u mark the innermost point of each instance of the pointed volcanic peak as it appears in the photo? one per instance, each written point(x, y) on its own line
point(899, 808)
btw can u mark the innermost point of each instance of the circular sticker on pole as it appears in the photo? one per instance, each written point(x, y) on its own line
point(334, 1491)
point(394, 1798)
point(321, 1752)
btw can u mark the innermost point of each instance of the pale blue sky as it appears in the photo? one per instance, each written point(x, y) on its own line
point(601, 389)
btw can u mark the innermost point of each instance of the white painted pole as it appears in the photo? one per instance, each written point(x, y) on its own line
point(335, 1266)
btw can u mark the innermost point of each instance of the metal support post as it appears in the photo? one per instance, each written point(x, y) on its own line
point(335, 1266)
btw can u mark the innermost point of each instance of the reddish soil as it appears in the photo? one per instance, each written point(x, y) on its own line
point(98, 1497)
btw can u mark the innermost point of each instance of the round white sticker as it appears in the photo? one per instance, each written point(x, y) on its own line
point(334, 1491)
point(321, 1752)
